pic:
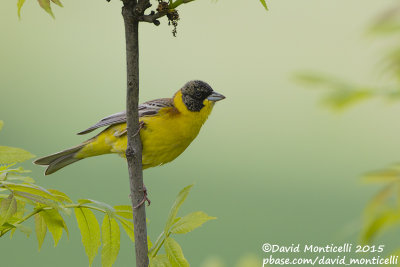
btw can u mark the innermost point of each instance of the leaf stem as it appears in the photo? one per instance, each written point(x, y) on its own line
point(37, 210)
point(159, 243)
point(178, 3)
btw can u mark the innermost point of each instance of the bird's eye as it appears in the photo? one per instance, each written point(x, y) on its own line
point(197, 94)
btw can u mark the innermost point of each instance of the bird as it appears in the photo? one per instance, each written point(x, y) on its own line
point(167, 128)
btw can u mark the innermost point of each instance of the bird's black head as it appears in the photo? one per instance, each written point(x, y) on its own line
point(195, 92)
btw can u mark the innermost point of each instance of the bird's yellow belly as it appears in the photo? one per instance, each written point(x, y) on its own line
point(163, 139)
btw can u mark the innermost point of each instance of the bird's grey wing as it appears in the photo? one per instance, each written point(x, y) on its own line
point(149, 108)
point(116, 118)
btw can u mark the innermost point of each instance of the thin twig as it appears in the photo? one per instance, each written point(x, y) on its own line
point(153, 17)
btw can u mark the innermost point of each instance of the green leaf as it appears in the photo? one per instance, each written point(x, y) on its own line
point(1, 122)
point(24, 229)
point(30, 189)
point(382, 222)
point(124, 211)
point(62, 197)
point(249, 260)
point(84, 201)
point(264, 4)
point(6, 226)
point(123, 208)
point(383, 176)
point(6, 171)
point(175, 207)
point(341, 99)
point(17, 170)
point(342, 95)
point(104, 206)
point(174, 253)
point(90, 232)
point(149, 243)
point(20, 209)
point(321, 81)
point(35, 199)
point(57, 2)
point(55, 223)
point(175, 4)
point(8, 208)
point(3, 196)
point(190, 222)
point(216, 262)
point(111, 239)
point(16, 177)
point(45, 4)
point(13, 155)
point(19, 5)
point(157, 245)
point(379, 199)
point(128, 227)
point(160, 261)
point(40, 228)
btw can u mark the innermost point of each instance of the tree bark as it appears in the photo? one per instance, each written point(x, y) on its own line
point(134, 148)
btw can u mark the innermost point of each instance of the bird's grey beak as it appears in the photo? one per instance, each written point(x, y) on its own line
point(215, 97)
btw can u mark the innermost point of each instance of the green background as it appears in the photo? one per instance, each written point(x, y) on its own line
point(271, 163)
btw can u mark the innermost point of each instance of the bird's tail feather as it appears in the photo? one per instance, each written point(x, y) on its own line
point(59, 160)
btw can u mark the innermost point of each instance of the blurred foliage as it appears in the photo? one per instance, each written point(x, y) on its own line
point(340, 94)
point(388, 23)
point(264, 4)
point(21, 199)
point(383, 210)
point(248, 260)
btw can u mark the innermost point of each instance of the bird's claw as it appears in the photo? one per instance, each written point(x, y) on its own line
point(145, 198)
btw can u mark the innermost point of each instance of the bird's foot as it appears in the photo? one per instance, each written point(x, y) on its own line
point(145, 198)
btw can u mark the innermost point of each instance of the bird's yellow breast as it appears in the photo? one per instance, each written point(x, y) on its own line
point(164, 136)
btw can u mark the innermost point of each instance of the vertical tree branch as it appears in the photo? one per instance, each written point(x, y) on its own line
point(133, 12)
point(134, 148)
